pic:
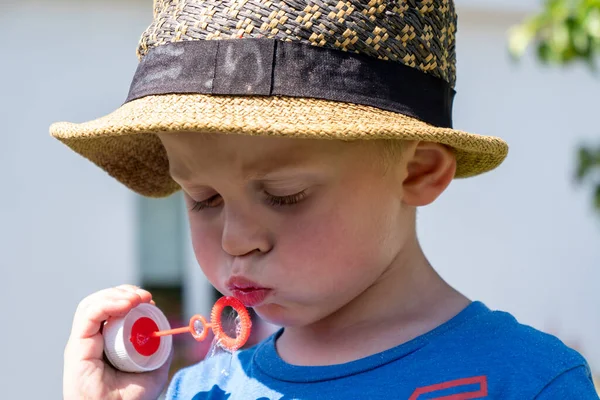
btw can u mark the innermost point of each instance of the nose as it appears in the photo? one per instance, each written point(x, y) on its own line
point(243, 232)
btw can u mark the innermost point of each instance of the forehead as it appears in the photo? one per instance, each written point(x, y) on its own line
point(193, 153)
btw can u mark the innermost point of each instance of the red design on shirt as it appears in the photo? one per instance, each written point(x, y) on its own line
point(482, 392)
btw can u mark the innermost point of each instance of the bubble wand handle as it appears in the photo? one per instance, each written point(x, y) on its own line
point(176, 331)
point(199, 327)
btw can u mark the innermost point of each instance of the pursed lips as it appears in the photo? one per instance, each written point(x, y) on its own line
point(247, 291)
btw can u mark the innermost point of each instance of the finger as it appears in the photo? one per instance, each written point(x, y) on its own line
point(145, 295)
point(99, 307)
point(104, 293)
point(123, 290)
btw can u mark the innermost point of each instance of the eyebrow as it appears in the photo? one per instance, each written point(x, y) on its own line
point(179, 173)
point(255, 170)
point(266, 165)
point(280, 174)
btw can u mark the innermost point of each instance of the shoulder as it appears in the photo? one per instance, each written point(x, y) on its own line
point(516, 355)
point(572, 384)
point(503, 336)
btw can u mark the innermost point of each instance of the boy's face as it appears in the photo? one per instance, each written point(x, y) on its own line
point(314, 222)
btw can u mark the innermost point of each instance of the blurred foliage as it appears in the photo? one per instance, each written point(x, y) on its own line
point(565, 32)
point(589, 166)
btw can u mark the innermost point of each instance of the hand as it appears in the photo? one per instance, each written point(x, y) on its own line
point(86, 375)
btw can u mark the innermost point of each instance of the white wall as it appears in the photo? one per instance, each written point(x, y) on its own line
point(66, 228)
point(522, 238)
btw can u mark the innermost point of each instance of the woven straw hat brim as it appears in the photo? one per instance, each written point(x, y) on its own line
point(124, 143)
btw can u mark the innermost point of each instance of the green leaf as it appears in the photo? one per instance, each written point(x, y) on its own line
point(558, 8)
point(518, 39)
point(520, 36)
point(559, 40)
point(591, 22)
point(588, 160)
point(544, 52)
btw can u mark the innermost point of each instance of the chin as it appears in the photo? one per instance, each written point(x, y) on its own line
point(280, 316)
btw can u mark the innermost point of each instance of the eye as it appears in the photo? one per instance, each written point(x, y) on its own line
point(211, 202)
point(285, 200)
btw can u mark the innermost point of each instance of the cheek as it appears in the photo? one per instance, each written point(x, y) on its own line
point(206, 243)
point(347, 243)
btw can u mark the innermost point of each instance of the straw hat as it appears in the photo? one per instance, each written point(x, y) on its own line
point(330, 69)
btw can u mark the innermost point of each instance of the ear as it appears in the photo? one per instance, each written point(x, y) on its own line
point(430, 168)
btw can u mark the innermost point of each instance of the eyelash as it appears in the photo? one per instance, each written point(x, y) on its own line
point(271, 200)
point(286, 200)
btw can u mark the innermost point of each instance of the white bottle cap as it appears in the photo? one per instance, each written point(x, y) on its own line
point(120, 351)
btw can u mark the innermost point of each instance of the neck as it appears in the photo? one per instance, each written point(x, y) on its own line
point(408, 300)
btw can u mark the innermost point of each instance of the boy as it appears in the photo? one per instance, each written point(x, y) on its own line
point(318, 236)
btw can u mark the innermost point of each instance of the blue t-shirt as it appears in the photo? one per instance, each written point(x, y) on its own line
point(478, 354)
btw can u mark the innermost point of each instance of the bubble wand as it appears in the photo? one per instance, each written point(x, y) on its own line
point(142, 340)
